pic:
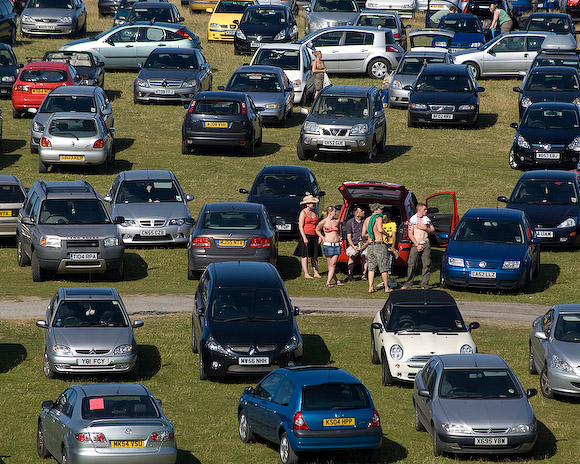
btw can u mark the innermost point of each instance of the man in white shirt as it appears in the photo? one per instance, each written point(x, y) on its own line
point(420, 227)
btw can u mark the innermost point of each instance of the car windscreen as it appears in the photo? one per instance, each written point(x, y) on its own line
point(443, 83)
point(552, 82)
point(570, 62)
point(285, 59)
point(354, 107)
point(73, 128)
point(127, 4)
point(118, 407)
point(545, 192)
point(232, 7)
point(425, 319)
point(489, 231)
point(264, 16)
point(255, 82)
point(261, 304)
point(63, 212)
point(6, 58)
point(61, 4)
point(43, 75)
point(68, 104)
point(147, 14)
point(91, 313)
point(462, 25)
point(334, 397)
point(477, 383)
point(172, 61)
point(568, 328)
point(11, 194)
point(343, 6)
point(231, 220)
point(544, 118)
point(371, 20)
point(412, 65)
point(280, 185)
point(221, 107)
point(148, 191)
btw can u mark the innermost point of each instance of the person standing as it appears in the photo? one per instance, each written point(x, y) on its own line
point(318, 69)
point(420, 227)
point(327, 230)
point(377, 248)
point(356, 245)
point(390, 239)
point(308, 243)
point(500, 18)
point(436, 17)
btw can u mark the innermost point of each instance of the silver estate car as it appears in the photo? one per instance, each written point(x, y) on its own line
point(53, 17)
point(154, 208)
point(120, 423)
point(474, 404)
point(87, 331)
point(12, 194)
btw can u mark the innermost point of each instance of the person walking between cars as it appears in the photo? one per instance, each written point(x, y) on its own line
point(420, 227)
point(356, 245)
point(308, 243)
point(500, 18)
point(390, 239)
point(318, 69)
point(327, 230)
point(377, 248)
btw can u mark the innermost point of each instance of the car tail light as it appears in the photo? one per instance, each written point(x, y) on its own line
point(44, 142)
point(99, 144)
point(95, 437)
point(22, 88)
point(200, 242)
point(299, 423)
point(191, 106)
point(572, 2)
point(244, 109)
point(162, 436)
point(376, 420)
point(260, 242)
point(183, 33)
point(396, 35)
point(392, 49)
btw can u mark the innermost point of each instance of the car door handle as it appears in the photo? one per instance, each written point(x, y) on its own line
point(364, 50)
point(161, 45)
point(128, 46)
point(526, 55)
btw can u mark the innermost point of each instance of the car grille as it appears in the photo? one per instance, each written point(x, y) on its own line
point(82, 243)
point(259, 348)
point(335, 132)
point(419, 359)
point(92, 351)
point(548, 147)
point(488, 264)
point(152, 238)
point(442, 108)
point(45, 20)
point(489, 431)
point(262, 38)
point(164, 83)
point(152, 222)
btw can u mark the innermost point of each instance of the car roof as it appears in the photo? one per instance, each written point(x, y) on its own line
point(316, 375)
point(543, 14)
point(544, 33)
point(233, 206)
point(421, 297)
point(74, 115)
point(268, 6)
point(244, 274)
point(88, 293)
point(461, 15)
point(475, 360)
point(4, 46)
point(191, 51)
point(567, 308)
point(445, 69)
point(554, 69)
point(556, 54)
point(221, 95)
point(347, 90)
point(148, 23)
point(9, 179)
point(353, 28)
point(494, 213)
point(259, 69)
point(147, 174)
point(96, 389)
point(46, 65)
point(379, 12)
point(284, 169)
point(281, 46)
point(148, 5)
point(431, 31)
point(547, 174)
point(66, 189)
point(77, 90)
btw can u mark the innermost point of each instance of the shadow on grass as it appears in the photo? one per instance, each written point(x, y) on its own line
point(267, 148)
point(123, 144)
point(289, 267)
point(8, 160)
point(149, 362)
point(113, 94)
point(118, 166)
point(11, 355)
point(185, 457)
point(391, 152)
point(7, 242)
point(315, 350)
point(486, 120)
point(296, 120)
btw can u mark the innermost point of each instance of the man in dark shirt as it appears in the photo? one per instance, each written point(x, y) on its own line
point(356, 244)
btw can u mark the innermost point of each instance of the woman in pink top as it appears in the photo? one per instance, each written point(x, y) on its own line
point(308, 243)
point(327, 230)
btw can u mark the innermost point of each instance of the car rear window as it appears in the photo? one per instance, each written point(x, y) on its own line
point(422, 319)
point(477, 383)
point(370, 20)
point(73, 128)
point(43, 75)
point(11, 194)
point(62, 212)
point(412, 65)
point(285, 59)
point(68, 103)
point(118, 406)
point(77, 59)
point(346, 6)
point(95, 313)
point(355, 107)
point(461, 25)
point(146, 14)
point(334, 396)
point(217, 107)
point(231, 220)
point(254, 82)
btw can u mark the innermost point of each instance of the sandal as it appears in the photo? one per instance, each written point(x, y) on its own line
point(329, 285)
point(339, 283)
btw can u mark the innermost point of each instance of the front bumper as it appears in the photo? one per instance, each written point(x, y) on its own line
point(166, 235)
point(330, 144)
point(398, 97)
point(72, 364)
point(436, 118)
point(249, 46)
point(41, 29)
point(367, 438)
point(563, 383)
point(504, 279)
point(222, 35)
point(96, 156)
point(555, 157)
point(152, 94)
point(459, 444)
point(559, 237)
point(60, 259)
point(406, 371)
point(274, 115)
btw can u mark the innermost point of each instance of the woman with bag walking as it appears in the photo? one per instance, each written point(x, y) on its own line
point(319, 71)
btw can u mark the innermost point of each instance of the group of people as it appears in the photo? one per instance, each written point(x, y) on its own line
point(500, 19)
point(371, 240)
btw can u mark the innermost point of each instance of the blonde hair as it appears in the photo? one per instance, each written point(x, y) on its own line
point(492, 7)
point(327, 210)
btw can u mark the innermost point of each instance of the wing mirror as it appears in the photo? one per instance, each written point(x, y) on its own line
point(518, 89)
point(200, 311)
point(424, 393)
point(304, 111)
point(531, 392)
point(514, 125)
point(296, 311)
point(474, 325)
point(408, 88)
point(540, 335)
point(119, 220)
point(47, 405)
point(480, 89)
point(244, 191)
point(189, 197)
point(42, 324)
point(377, 326)
point(249, 390)
point(137, 323)
point(502, 199)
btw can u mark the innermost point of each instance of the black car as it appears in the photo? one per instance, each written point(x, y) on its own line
point(91, 70)
point(264, 24)
point(243, 321)
point(444, 94)
point(8, 22)
point(480, 8)
point(108, 7)
point(222, 119)
point(281, 189)
point(556, 58)
point(559, 23)
point(548, 136)
point(549, 83)
point(9, 69)
point(551, 199)
point(573, 9)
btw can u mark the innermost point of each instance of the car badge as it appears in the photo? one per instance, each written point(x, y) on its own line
point(252, 351)
point(164, 83)
point(128, 431)
point(92, 351)
point(258, 38)
point(482, 264)
point(338, 414)
point(547, 147)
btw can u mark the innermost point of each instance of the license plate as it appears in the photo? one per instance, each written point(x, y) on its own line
point(264, 360)
point(230, 32)
point(442, 116)
point(338, 421)
point(256, 44)
point(127, 443)
point(221, 125)
point(548, 156)
point(334, 143)
point(6, 213)
point(545, 233)
point(46, 26)
point(284, 226)
point(152, 232)
point(40, 90)
point(230, 243)
point(93, 362)
point(483, 274)
point(72, 158)
point(436, 7)
point(83, 256)
point(165, 92)
point(490, 441)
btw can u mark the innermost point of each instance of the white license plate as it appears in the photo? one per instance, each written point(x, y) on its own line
point(255, 44)
point(83, 256)
point(164, 92)
point(93, 361)
point(545, 233)
point(334, 143)
point(491, 441)
point(284, 226)
point(264, 360)
point(46, 26)
point(442, 116)
point(230, 32)
point(483, 274)
point(548, 156)
point(152, 232)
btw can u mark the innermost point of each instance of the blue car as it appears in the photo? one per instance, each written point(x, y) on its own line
point(468, 30)
point(550, 199)
point(310, 408)
point(491, 248)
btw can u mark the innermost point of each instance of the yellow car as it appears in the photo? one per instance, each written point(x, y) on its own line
point(223, 22)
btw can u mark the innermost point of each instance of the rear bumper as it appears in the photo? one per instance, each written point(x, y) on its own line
point(368, 438)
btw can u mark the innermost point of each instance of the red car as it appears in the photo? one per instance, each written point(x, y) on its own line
point(400, 203)
point(36, 80)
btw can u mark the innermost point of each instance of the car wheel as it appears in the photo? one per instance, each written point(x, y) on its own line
point(135, 100)
point(250, 146)
point(33, 150)
point(43, 453)
point(529, 280)
point(244, 430)
point(287, 454)
point(387, 378)
point(512, 160)
point(382, 145)
point(371, 154)
point(442, 281)
point(83, 30)
point(16, 114)
point(37, 271)
point(410, 122)
point(202, 372)
point(300, 151)
point(545, 383)
point(13, 37)
point(41, 166)
point(185, 148)
point(282, 122)
point(531, 363)
point(374, 355)
point(64, 459)
point(436, 446)
point(48, 373)
point(21, 256)
point(419, 427)
point(474, 69)
point(378, 68)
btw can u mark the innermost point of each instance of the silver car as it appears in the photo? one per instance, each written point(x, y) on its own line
point(474, 404)
point(53, 17)
point(329, 13)
point(87, 331)
point(119, 423)
point(384, 19)
point(554, 350)
point(76, 138)
point(154, 208)
point(12, 195)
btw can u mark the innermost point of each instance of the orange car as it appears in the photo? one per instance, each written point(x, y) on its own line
point(36, 80)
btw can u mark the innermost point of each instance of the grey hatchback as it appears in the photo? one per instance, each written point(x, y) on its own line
point(53, 17)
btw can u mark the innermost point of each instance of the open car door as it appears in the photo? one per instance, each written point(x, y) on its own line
point(442, 210)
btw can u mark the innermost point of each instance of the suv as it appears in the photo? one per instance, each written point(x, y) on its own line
point(344, 119)
point(65, 227)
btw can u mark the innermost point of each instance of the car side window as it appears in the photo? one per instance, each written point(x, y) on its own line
point(354, 38)
point(268, 386)
point(29, 203)
point(284, 393)
point(35, 208)
point(65, 402)
point(426, 371)
point(534, 43)
point(378, 104)
point(547, 321)
point(128, 34)
point(328, 39)
point(509, 44)
point(51, 307)
point(150, 34)
point(430, 385)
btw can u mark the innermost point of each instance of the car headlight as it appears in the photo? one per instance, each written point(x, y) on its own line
point(561, 365)
point(522, 142)
point(189, 84)
point(65, 20)
point(123, 349)
point(511, 265)
point(396, 352)
point(526, 102)
point(313, 25)
point(215, 26)
point(128, 223)
point(291, 345)
point(280, 35)
point(418, 106)
point(576, 101)
point(51, 242)
point(373, 5)
point(37, 127)
point(310, 127)
point(570, 222)
point(62, 350)
point(476, 44)
point(240, 35)
point(215, 346)
point(8, 79)
point(522, 428)
point(142, 82)
point(574, 144)
point(26, 19)
point(273, 106)
point(180, 221)
point(397, 85)
point(466, 349)
point(466, 107)
point(112, 241)
point(297, 83)
point(458, 262)
point(359, 129)
point(456, 428)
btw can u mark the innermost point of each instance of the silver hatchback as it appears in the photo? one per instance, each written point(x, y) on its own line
point(53, 17)
point(12, 195)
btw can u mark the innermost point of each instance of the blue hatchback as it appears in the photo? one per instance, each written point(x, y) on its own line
point(468, 30)
point(310, 408)
point(491, 248)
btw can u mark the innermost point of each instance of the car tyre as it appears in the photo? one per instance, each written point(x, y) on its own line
point(474, 69)
point(250, 147)
point(41, 166)
point(381, 147)
point(246, 434)
point(387, 378)
point(16, 114)
point(37, 271)
point(419, 427)
point(436, 446)
point(33, 150)
point(545, 384)
point(23, 259)
point(194, 348)
point(375, 359)
point(64, 459)
point(202, 372)
point(300, 151)
point(48, 372)
point(185, 148)
point(410, 122)
point(531, 363)
point(287, 454)
point(13, 37)
point(442, 281)
point(512, 160)
point(378, 68)
point(43, 453)
point(371, 154)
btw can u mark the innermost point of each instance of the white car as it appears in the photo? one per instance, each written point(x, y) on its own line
point(413, 326)
point(405, 8)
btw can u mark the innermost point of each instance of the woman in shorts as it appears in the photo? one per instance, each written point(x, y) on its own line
point(327, 230)
point(308, 246)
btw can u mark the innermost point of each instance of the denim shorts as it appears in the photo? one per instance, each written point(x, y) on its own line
point(330, 250)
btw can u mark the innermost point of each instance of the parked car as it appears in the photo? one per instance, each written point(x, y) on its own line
point(221, 25)
point(444, 94)
point(87, 331)
point(53, 17)
point(553, 352)
point(404, 8)
point(262, 24)
point(8, 22)
point(36, 80)
point(329, 13)
point(154, 208)
point(430, 38)
point(131, 426)
point(12, 195)
point(480, 8)
point(356, 50)
point(127, 45)
point(474, 405)
point(243, 321)
point(548, 58)
point(296, 62)
point(491, 248)
point(90, 69)
point(559, 23)
point(201, 5)
point(548, 136)
point(9, 69)
point(434, 5)
point(107, 7)
point(384, 19)
point(124, 9)
point(314, 408)
point(468, 30)
point(222, 119)
point(344, 119)
point(64, 227)
point(414, 325)
point(551, 200)
point(229, 232)
point(172, 74)
point(164, 12)
point(572, 7)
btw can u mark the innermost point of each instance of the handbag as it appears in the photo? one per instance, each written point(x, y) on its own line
point(325, 81)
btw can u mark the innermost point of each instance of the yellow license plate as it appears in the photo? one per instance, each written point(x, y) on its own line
point(338, 421)
point(221, 125)
point(230, 243)
point(41, 90)
point(6, 213)
point(127, 444)
point(72, 158)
